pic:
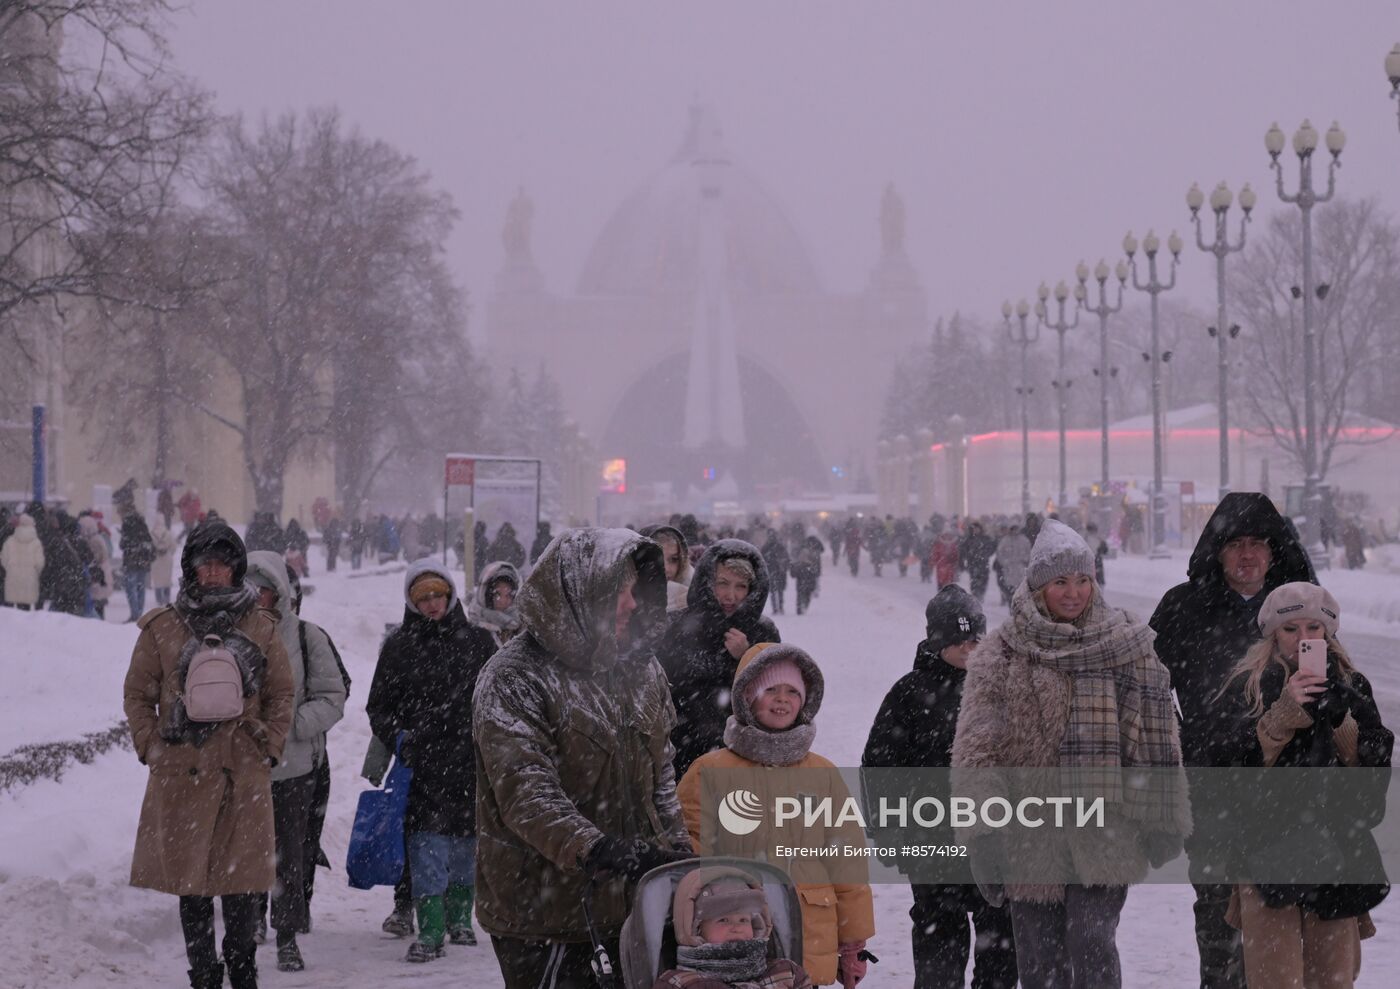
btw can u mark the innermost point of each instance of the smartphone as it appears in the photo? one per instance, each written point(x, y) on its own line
point(1312, 656)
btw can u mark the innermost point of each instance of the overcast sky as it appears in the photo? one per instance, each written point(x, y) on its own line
point(1022, 136)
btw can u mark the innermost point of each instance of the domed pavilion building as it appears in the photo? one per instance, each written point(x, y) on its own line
point(700, 344)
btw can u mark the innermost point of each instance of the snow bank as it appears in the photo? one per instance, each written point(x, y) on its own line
point(68, 918)
point(63, 675)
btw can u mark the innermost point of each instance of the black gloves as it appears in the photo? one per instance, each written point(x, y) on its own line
point(1332, 704)
point(1159, 847)
point(988, 861)
point(631, 858)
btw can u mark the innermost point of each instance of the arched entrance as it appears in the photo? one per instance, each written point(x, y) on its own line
point(648, 422)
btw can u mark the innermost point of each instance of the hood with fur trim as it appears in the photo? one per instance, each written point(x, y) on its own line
point(764, 654)
point(426, 566)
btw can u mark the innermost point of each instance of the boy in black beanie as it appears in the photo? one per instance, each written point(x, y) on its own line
point(915, 729)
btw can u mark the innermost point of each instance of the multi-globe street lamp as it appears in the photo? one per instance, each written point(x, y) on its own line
point(1154, 287)
point(1304, 144)
point(1220, 200)
point(1023, 334)
point(1103, 310)
point(1061, 383)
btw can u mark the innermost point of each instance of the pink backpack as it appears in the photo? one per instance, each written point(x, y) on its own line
point(213, 683)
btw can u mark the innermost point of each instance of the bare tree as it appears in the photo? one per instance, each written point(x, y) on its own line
point(142, 360)
point(334, 248)
point(1357, 251)
point(83, 140)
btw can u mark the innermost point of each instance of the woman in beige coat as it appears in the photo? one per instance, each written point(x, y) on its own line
point(206, 824)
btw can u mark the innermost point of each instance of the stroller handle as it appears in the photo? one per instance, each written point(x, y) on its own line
point(601, 964)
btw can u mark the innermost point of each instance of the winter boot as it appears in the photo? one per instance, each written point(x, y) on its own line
point(459, 914)
point(432, 929)
point(419, 952)
point(400, 922)
point(288, 954)
point(207, 978)
point(243, 973)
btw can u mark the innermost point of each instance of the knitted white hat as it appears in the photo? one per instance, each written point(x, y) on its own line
point(1058, 552)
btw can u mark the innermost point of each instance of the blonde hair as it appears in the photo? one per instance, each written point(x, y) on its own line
point(1258, 658)
point(740, 566)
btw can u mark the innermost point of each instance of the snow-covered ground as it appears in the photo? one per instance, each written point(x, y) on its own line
point(67, 917)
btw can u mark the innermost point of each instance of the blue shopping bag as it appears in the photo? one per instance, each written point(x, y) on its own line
point(376, 853)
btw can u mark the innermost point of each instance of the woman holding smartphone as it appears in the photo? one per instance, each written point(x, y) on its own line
point(1299, 702)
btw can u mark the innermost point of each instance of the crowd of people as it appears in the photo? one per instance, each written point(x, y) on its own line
point(51, 559)
point(985, 548)
point(559, 713)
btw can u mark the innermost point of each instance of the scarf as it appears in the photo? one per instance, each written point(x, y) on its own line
point(769, 748)
point(501, 624)
point(213, 611)
point(1120, 710)
point(731, 962)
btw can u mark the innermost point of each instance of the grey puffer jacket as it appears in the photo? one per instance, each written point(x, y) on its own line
point(319, 701)
point(573, 740)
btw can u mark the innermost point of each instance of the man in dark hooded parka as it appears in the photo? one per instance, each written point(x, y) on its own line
point(576, 793)
point(1204, 627)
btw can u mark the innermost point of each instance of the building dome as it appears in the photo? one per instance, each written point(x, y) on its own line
point(650, 245)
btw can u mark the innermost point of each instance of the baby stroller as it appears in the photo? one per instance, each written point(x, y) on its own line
point(648, 942)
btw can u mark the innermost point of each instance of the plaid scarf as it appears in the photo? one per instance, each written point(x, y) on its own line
point(1121, 711)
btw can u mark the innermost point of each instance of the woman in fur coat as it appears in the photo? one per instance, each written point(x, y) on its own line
point(1307, 934)
point(1070, 683)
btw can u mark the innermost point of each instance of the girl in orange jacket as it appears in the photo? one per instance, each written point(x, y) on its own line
point(777, 692)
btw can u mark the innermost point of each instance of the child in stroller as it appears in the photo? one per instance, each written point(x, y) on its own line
point(714, 923)
point(722, 924)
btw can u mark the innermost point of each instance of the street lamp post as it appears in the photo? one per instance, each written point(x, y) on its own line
point(1061, 384)
point(1155, 287)
point(1221, 247)
point(1103, 310)
point(1304, 144)
point(1027, 334)
point(1392, 71)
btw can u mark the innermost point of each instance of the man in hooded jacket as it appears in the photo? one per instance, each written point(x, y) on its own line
point(696, 658)
point(1204, 627)
point(577, 791)
point(319, 703)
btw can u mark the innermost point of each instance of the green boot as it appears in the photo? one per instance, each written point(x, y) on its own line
point(431, 929)
point(459, 914)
